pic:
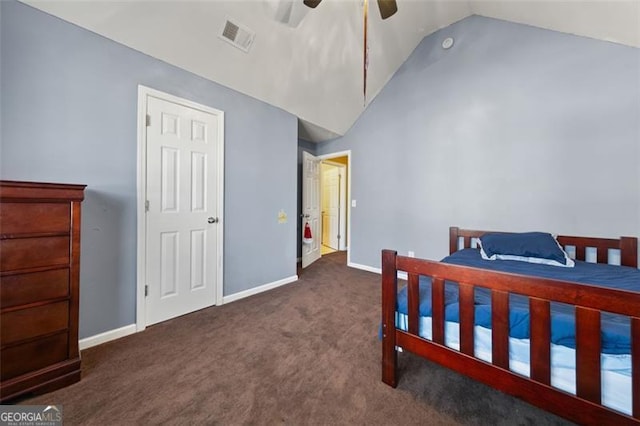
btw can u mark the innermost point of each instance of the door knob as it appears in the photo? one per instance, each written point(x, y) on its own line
point(212, 220)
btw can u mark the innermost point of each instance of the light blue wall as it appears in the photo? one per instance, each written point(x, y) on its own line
point(68, 114)
point(514, 128)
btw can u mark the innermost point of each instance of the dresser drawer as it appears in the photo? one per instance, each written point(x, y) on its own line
point(22, 253)
point(21, 289)
point(32, 218)
point(33, 322)
point(31, 356)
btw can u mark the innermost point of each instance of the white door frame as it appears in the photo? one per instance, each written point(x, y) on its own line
point(141, 278)
point(347, 154)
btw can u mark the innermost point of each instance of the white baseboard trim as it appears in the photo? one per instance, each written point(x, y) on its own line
point(260, 289)
point(365, 268)
point(107, 336)
point(401, 274)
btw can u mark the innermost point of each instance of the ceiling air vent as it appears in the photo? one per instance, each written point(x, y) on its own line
point(237, 35)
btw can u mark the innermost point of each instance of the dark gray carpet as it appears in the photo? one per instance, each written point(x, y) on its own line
point(304, 353)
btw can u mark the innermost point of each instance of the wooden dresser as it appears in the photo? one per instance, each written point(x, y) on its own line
point(39, 283)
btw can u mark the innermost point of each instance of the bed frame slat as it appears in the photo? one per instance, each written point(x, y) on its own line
point(540, 331)
point(453, 239)
point(588, 347)
point(500, 328)
point(467, 318)
point(603, 255)
point(629, 251)
point(635, 365)
point(437, 304)
point(413, 300)
point(389, 303)
point(467, 242)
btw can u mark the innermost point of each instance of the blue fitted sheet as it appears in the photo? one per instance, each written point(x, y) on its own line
point(615, 328)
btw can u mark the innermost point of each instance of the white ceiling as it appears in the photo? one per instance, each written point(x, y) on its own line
point(314, 70)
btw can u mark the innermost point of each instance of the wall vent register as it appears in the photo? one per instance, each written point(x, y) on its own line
point(237, 35)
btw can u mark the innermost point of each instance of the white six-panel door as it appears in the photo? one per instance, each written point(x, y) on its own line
point(181, 218)
point(311, 207)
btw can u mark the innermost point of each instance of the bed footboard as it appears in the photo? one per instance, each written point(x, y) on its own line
point(585, 407)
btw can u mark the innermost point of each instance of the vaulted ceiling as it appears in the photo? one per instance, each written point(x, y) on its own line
point(309, 62)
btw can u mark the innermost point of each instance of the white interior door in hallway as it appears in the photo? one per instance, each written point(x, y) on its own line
point(183, 211)
point(311, 208)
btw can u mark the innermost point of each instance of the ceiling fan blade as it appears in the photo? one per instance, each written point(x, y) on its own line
point(312, 3)
point(387, 8)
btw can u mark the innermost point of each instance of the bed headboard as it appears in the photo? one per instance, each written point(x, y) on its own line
point(628, 246)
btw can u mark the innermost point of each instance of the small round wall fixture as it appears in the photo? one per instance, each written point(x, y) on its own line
point(447, 43)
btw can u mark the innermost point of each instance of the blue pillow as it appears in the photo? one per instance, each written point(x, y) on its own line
point(532, 247)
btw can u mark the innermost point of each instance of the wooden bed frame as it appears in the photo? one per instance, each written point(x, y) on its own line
point(585, 407)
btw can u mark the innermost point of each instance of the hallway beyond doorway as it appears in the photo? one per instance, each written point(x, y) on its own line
point(326, 250)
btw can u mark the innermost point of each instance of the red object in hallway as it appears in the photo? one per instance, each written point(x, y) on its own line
point(307, 237)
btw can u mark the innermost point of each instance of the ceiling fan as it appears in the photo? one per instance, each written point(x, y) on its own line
point(387, 9)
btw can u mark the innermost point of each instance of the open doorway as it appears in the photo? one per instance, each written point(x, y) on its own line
point(335, 191)
point(332, 237)
point(333, 204)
